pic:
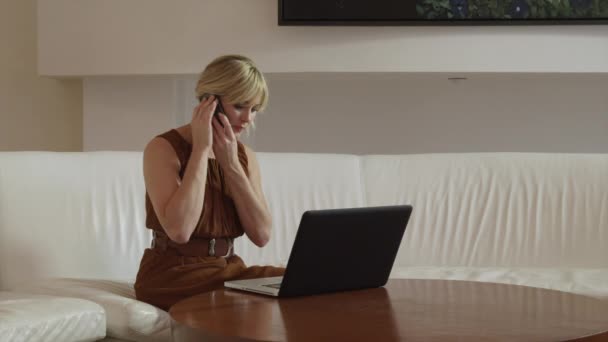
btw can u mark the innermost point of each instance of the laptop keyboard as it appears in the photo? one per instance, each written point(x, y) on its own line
point(274, 286)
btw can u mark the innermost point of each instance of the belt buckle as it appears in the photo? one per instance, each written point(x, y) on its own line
point(228, 253)
point(212, 247)
point(153, 243)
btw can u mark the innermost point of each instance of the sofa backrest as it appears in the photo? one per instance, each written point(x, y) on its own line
point(294, 183)
point(82, 214)
point(497, 209)
point(70, 215)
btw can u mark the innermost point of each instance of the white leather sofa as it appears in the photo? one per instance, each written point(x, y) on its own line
point(72, 228)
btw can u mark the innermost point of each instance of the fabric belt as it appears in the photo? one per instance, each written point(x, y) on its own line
point(220, 247)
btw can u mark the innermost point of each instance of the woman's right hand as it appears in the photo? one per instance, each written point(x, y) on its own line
point(202, 131)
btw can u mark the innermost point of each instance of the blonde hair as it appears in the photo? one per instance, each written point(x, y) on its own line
point(235, 78)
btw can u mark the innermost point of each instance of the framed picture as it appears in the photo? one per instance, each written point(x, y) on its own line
point(558, 11)
point(442, 12)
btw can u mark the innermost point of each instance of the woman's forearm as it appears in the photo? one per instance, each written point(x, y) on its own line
point(183, 211)
point(254, 216)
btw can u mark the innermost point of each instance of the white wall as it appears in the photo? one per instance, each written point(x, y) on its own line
point(334, 89)
point(160, 37)
point(36, 113)
point(373, 113)
point(123, 113)
point(427, 113)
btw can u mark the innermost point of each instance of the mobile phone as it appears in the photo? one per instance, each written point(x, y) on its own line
point(218, 109)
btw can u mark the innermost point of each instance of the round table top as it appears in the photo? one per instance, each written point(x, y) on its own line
point(402, 310)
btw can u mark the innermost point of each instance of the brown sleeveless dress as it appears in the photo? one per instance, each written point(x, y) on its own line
point(165, 277)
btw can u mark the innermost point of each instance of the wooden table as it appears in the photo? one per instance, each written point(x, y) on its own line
point(403, 310)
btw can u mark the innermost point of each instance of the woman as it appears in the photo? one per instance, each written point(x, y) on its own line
point(203, 190)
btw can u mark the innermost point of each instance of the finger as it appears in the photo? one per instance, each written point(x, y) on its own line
point(227, 127)
point(203, 104)
point(208, 99)
point(214, 136)
point(215, 131)
point(208, 110)
point(199, 107)
point(218, 128)
point(218, 141)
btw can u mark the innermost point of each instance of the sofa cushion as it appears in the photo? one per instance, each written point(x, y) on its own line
point(294, 183)
point(28, 317)
point(517, 210)
point(71, 215)
point(127, 318)
point(90, 210)
point(589, 282)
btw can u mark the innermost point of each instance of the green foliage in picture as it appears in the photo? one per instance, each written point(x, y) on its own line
point(511, 9)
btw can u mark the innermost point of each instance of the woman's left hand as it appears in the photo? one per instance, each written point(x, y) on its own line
point(225, 147)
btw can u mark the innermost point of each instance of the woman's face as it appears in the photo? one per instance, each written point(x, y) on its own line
point(240, 115)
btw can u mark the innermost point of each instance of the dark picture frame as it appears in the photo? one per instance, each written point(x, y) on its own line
point(441, 12)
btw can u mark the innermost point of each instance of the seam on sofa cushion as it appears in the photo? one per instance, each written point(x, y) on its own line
point(362, 181)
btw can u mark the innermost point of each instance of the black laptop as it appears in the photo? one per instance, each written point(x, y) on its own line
point(338, 250)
